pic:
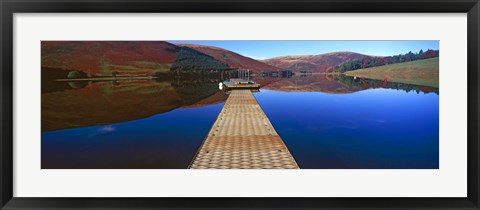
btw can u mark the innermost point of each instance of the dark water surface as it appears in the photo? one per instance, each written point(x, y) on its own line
point(128, 124)
point(168, 140)
point(326, 122)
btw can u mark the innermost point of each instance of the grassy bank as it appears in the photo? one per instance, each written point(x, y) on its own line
point(420, 72)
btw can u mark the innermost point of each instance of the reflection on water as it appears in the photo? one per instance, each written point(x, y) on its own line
point(168, 140)
point(82, 104)
point(371, 83)
point(328, 121)
point(128, 124)
point(340, 84)
point(375, 128)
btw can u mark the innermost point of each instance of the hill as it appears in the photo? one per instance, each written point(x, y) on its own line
point(133, 58)
point(105, 57)
point(420, 72)
point(315, 63)
point(191, 60)
point(232, 59)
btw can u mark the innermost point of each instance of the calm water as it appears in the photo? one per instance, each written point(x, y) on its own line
point(325, 122)
point(377, 128)
point(168, 140)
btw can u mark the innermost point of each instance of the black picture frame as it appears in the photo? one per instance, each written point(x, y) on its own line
point(9, 7)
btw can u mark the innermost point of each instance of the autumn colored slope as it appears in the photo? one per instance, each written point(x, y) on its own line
point(232, 59)
point(104, 57)
point(314, 63)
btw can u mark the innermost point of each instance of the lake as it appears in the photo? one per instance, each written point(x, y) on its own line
point(326, 121)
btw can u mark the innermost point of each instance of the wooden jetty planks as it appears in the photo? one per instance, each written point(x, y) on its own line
point(243, 137)
point(241, 86)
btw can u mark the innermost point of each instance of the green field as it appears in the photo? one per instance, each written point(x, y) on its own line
point(420, 72)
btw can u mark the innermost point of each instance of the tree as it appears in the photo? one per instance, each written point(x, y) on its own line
point(429, 54)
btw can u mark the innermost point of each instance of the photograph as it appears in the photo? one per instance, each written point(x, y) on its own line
point(240, 104)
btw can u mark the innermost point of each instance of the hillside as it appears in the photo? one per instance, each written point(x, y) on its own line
point(420, 72)
point(191, 60)
point(104, 57)
point(131, 58)
point(315, 63)
point(232, 59)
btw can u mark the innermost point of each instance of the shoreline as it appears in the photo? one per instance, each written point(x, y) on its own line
point(107, 79)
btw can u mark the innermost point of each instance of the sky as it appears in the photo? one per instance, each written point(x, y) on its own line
point(269, 49)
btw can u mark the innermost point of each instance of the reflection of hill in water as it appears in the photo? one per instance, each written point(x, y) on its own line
point(194, 90)
point(79, 104)
point(311, 83)
point(339, 84)
point(371, 83)
point(99, 103)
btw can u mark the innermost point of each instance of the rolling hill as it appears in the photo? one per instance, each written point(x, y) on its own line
point(104, 57)
point(419, 72)
point(131, 58)
point(232, 59)
point(314, 63)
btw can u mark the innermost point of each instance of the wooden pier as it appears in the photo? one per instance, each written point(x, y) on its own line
point(243, 137)
point(240, 84)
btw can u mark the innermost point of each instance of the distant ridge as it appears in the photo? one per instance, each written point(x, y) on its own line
point(316, 63)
